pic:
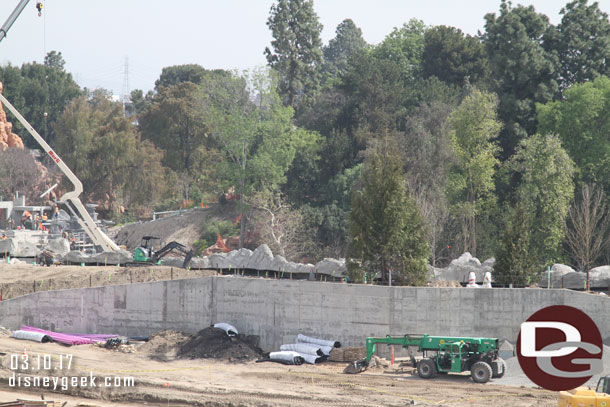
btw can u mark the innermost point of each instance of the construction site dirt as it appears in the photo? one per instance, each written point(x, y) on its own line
point(220, 382)
point(22, 279)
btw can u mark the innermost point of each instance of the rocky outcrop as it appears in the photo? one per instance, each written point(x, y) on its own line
point(76, 257)
point(262, 259)
point(566, 277)
point(7, 137)
point(460, 268)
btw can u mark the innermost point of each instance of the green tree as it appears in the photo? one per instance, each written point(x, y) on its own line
point(175, 75)
point(452, 56)
point(514, 263)
point(523, 72)
point(581, 122)
point(258, 142)
point(545, 190)
point(40, 92)
point(175, 123)
point(140, 102)
point(582, 43)
point(404, 46)
point(348, 41)
point(297, 48)
point(470, 187)
point(385, 226)
point(103, 149)
point(428, 156)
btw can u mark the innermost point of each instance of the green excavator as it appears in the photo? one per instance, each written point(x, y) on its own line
point(145, 254)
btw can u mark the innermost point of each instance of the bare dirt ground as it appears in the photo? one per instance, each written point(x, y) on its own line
point(22, 279)
point(211, 382)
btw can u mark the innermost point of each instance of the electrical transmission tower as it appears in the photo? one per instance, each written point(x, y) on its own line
point(125, 91)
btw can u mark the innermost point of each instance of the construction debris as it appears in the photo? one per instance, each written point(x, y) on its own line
point(350, 354)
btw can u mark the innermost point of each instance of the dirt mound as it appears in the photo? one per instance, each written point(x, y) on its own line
point(164, 345)
point(184, 228)
point(216, 344)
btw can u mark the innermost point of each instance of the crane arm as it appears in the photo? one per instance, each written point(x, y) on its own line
point(98, 237)
point(11, 19)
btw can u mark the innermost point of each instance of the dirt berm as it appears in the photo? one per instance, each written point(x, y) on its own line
point(209, 343)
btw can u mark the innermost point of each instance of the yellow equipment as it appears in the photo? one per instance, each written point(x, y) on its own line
point(584, 397)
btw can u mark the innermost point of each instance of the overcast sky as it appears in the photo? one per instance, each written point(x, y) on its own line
point(97, 37)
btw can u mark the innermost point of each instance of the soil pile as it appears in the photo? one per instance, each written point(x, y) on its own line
point(216, 344)
point(164, 345)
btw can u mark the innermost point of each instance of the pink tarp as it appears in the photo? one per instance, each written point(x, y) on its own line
point(61, 338)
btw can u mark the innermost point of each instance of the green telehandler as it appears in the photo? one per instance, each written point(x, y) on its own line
point(443, 354)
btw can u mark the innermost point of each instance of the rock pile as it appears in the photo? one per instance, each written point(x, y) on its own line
point(562, 276)
point(263, 259)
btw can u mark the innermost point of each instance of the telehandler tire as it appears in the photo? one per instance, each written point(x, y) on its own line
point(426, 369)
point(481, 372)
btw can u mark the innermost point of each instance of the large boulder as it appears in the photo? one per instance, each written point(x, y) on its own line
point(279, 264)
point(219, 261)
point(59, 246)
point(261, 259)
point(331, 267)
point(76, 257)
point(239, 258)
point(8, 246)
point(466, 259)
point(25, 249)
point(562, 276)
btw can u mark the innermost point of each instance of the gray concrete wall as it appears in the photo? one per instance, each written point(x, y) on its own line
point(277, 310)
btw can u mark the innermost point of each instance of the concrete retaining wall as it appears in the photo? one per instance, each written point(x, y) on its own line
point(277, 310)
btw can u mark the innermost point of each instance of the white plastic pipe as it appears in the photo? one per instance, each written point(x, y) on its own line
point(287, 356)
point(323, 342)
point(228, 328)
point(307, 348)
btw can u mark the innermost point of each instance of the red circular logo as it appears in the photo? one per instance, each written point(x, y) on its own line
point(559, 348)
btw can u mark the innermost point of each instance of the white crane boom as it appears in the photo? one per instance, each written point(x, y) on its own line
point(98, 237)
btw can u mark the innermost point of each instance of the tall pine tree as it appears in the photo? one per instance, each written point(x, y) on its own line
point(385, 226)
point(297, 48)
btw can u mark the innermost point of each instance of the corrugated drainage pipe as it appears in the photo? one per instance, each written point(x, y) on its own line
point(308, 348)
point(32, 336)
point(308, 339)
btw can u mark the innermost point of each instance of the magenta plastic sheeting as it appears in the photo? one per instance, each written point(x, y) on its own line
point(61, 338)
point(95, 337)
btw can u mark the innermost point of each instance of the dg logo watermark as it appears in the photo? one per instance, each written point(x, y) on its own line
point(560, 348)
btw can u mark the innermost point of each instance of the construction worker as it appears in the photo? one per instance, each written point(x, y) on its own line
point(56, 213)
point(3, 236)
